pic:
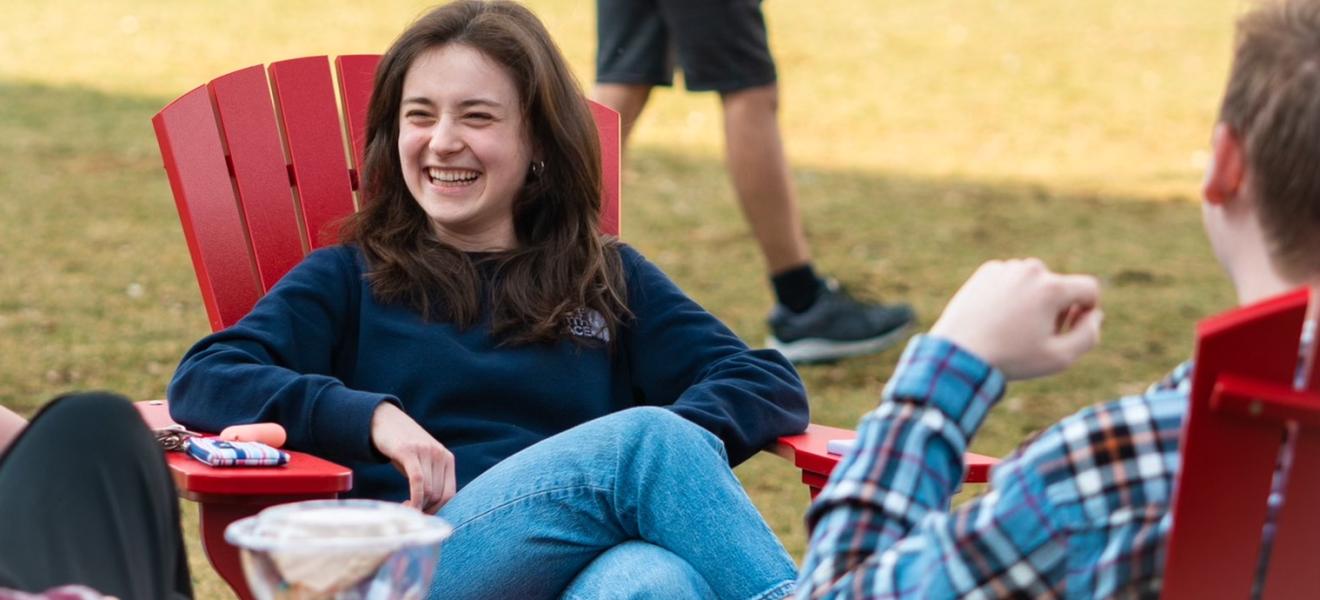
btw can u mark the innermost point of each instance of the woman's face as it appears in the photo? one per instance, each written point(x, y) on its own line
point(464, 146)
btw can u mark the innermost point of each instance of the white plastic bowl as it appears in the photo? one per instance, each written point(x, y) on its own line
point(339, 549)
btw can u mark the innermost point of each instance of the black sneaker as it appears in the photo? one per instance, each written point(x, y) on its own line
point(837, 326)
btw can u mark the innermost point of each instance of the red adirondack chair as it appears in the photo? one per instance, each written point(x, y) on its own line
point(1243, 399)
point(249, 214)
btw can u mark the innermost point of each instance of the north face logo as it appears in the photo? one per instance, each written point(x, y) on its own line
point(585, 322)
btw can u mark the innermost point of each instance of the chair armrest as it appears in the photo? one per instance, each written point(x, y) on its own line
point(808, 452)
point(304, 475)
point(227, 494)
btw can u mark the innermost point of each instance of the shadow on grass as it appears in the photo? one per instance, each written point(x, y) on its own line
point(915, 239)
point(97, 291)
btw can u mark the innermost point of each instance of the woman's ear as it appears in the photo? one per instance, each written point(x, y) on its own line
point(1227, 169)
point(538, 153)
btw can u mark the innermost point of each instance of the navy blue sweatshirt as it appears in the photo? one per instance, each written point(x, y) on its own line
point(318, 354)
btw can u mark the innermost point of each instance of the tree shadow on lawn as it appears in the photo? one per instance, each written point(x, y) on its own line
point(916, 239)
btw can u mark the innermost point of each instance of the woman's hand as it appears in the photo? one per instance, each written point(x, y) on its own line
point(1022, 318)
point(427, 464)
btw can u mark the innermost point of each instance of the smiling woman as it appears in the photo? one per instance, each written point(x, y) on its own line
point(477, 347)
point(464, 146)
point(485, 94)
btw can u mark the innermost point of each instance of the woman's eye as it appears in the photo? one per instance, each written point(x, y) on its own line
point(416, 115)
point(481, 117)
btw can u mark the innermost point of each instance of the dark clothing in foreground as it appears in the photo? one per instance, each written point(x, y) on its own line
point(86, 498)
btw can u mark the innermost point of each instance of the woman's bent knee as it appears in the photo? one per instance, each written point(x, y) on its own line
point(94, 423)
point(636, 570)
point(655, 425)
point(103, 407)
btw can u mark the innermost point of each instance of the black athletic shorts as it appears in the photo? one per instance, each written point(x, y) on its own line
point(721, 45)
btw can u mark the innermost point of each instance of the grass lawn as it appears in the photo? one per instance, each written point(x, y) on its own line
point(926, 137)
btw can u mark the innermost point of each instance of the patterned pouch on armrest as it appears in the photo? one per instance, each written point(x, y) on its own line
point(220, 453)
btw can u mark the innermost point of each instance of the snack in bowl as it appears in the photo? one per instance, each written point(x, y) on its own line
point(339, 549)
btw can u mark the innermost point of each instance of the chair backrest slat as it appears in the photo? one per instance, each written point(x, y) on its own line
point(194, 158)
point(305, 100)
point(1293, 572)
point(611, 156)
point(247, 121)
point(357, 75)
point(1228, 463)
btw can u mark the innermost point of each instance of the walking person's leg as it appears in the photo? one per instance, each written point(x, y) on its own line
point(761, 179)
point(633, 55)
point(723, 46)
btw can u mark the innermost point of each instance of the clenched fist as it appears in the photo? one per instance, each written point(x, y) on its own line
point(1022, 318)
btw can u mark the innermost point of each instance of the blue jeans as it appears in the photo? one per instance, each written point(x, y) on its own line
point(638, 504)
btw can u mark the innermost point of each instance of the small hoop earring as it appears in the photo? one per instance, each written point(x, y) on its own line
point(537, 168)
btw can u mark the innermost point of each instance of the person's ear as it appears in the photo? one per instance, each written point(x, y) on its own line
point(1227, 169)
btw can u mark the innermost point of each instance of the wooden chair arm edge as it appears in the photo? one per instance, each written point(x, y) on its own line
point(305, 475)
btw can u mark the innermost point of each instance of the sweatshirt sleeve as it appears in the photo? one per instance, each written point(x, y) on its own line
point(277, 365)
point(682, 357)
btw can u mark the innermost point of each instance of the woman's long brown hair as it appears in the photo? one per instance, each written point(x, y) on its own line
point(562, 264)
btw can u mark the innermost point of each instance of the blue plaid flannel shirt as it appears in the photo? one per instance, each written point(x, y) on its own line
point(1080, 511)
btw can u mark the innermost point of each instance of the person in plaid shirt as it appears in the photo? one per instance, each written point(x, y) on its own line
point(1082, 510)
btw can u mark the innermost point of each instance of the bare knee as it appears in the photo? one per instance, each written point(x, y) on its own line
point(757, 101)
point(627, 99)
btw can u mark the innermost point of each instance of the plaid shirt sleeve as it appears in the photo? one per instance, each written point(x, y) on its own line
point(1082, 508)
